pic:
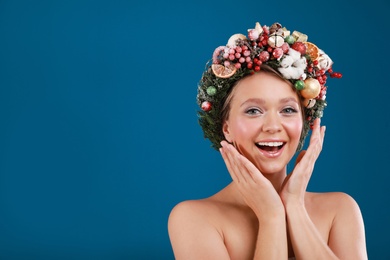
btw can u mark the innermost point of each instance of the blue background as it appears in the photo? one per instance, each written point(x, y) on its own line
point(99, 136)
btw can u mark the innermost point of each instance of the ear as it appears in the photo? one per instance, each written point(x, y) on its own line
point(226, 131)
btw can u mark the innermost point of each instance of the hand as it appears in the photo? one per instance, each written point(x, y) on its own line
point(295, 184)
point(257, 191)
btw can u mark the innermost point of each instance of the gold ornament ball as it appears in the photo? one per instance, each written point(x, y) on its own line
point(312, 88)
point(309, 103)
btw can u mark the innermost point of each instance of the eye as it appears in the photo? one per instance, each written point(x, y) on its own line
point(253, 111)
point(289, 110)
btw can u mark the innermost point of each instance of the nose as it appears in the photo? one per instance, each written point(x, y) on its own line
point(271, 123)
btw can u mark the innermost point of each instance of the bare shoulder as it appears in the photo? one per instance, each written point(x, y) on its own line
point(192, 210)
point(332, 201)
point(342, 205)
point(196, 216)
point(194, 230)
point(338, 217)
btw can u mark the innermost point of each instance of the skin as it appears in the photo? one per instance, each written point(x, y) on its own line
point(265, 213)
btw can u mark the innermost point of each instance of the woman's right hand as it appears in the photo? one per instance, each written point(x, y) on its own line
point(257, 191)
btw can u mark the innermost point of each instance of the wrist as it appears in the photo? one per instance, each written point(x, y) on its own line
point(272, 217)
point(294, 206)
point(293, 201)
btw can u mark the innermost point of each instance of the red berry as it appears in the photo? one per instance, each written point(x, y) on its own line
point(257, 68)
point(336, 75)
point(264, 56)
point(249, 65)
point(247, 53)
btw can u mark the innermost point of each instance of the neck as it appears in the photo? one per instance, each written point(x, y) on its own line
point(276, 179)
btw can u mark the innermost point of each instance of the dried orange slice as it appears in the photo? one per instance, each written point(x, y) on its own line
point(223, 72)
point(312, 50)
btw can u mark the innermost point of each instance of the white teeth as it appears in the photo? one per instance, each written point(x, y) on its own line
point(270, 143)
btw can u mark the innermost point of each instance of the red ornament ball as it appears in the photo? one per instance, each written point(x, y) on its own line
point(206, 106)
point(277, 53)
point(300, 47)
point(285, 47)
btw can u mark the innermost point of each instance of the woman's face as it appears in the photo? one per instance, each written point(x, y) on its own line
point(265, 121)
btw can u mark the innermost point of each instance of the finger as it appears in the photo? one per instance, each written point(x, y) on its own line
point(235, 177)
point(252, 172)
point(229, 167)
point(234, 157)
point(307, 159)
point(232, 162)
point(316, 140)
point(300, 156)
point(248, 169)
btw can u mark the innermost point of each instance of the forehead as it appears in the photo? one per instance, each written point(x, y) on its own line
point(264, 85)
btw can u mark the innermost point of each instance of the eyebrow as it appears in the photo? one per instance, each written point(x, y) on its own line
point(254, 100)
point(261, 101)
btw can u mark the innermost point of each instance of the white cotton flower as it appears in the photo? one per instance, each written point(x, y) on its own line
point(301, 63)
point(291, 72)
point(296, 55)
point(324, 61)
point(293, 65)
point(253, 34)
point(287, 61)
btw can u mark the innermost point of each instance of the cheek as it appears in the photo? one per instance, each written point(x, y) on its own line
point(295, 128)
point(242, 128)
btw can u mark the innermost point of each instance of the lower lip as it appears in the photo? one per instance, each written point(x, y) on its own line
point(271, 154)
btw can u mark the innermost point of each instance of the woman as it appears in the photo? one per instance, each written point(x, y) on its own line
point(259, 98)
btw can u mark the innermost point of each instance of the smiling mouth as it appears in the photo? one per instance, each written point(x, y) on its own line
point(272, 147)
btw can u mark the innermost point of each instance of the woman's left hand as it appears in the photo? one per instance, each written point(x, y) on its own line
point(295, 184)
